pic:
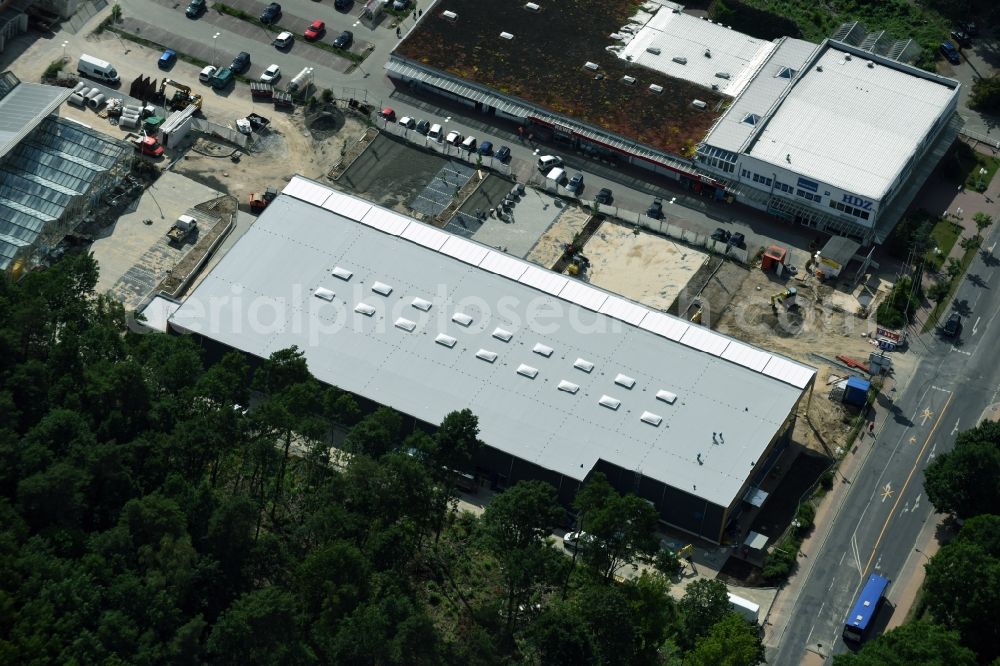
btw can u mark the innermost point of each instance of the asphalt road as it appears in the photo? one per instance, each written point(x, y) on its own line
point(876, 527)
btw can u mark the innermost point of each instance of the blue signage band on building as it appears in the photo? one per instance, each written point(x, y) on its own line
point(808, 185)
point(857, 202)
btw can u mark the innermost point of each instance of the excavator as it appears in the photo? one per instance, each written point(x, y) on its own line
point(182, 97)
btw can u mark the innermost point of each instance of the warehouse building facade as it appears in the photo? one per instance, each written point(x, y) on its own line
point(566, 379)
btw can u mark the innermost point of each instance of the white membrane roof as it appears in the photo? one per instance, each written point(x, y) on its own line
point(518, 381)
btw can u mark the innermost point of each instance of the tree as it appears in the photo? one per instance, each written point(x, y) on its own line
point(983, 222)
point(514, 529)
point(983, 531)
point(963, 593)
point(623, 527)
point(954, 267)
point(376, 434)
point(608, 615)
point(986, 94)
point(559, 637)
point(964, 481)
point(705, 602)
point(732, 641)
point(259, 628)
point(654, 613)
point(920, 642)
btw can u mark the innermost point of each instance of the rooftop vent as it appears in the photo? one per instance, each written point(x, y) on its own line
point(751, 119)
point(449, 16)
point(583, 364)
point(655, 88)
point(667, 397)
point(609, 402)
point(708, 53)
point(847, 57)
point(324, 293)
point(382, 288)
point(788, 72)
point(532, 7)
point(715, 86)
point(653, 50)
point(722, 75)
point(819, 68)
point(630, 80)
point(421, 304)
point(446, 340)
point(698, 104)
point(365, 309)
point(486, 355)
point(342, 273)
point(461, 319)
point(593, 66)
point(506, 35)
point(405, 324)
point(569, 387)
point(501, 334)
point(680, 60)
point(871, 65)
point(651, 418)
point(542, 350)
point(625, 380)
point(527, 371)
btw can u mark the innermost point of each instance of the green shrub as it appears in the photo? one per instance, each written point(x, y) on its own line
point(780, 563)
point(826, 481)
point(804, 517)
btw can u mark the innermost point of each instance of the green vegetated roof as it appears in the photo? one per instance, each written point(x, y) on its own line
point(544, 64)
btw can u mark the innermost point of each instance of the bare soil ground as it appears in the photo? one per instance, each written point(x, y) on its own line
point(820, 324)
point(550, 245)
point(644, 267)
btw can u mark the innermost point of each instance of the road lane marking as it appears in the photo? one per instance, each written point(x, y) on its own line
point(976, 325)
point(955, 429)
point(916, 502)
point(913, 439)
point(887, 492)
point(926, 414)
point(943, 390)
point(960, 351)
point(909, 477)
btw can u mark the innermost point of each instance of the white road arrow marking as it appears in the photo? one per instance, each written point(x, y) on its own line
point(976, 326)
point(955, 429)
point(916, 502)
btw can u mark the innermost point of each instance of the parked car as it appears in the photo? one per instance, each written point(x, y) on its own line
point(721, 235)
point(454, 138)
point(573, 540)
point(738, 240)
point(961, 38)
point(502, 154)
point(342, 5)
point(222, 79)
point(423, 127)
point(434, 133)
point(271, 14)
point(969, 28)
point(548, 162)
point(388, 113)
point(344, 40)
point(407, 122)
point(655, 210)
point(575, 184)
point(206, 74)
point(469, 143)
point(953, 327)
point(400, 5)
point(271, 74)
point(604, 196)
point(951, 53)
point(486, 148)
point(315, 30)
point(195, 9)
point(241, 62)
point(168, 59)
point(284, 40)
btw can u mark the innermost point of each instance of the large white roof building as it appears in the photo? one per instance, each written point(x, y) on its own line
point(565, 378)
point(833, 137)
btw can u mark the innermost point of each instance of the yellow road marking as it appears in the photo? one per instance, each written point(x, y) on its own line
point(902, 490)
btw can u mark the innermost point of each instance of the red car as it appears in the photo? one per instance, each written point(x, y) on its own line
point(315, 31)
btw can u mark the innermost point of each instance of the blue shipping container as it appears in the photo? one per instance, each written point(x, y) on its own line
point(857, 391)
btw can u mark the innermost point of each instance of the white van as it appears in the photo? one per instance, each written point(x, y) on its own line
point(97, 69)
point(435, 133)
point(469, 143)
point(548, 162)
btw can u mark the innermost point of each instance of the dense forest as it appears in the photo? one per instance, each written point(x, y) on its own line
point(158, 506)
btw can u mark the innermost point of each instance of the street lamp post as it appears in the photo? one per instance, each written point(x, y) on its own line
point(64, 45)
point(214, 52)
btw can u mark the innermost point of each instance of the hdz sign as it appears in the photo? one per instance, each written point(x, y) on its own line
point(857, 202)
